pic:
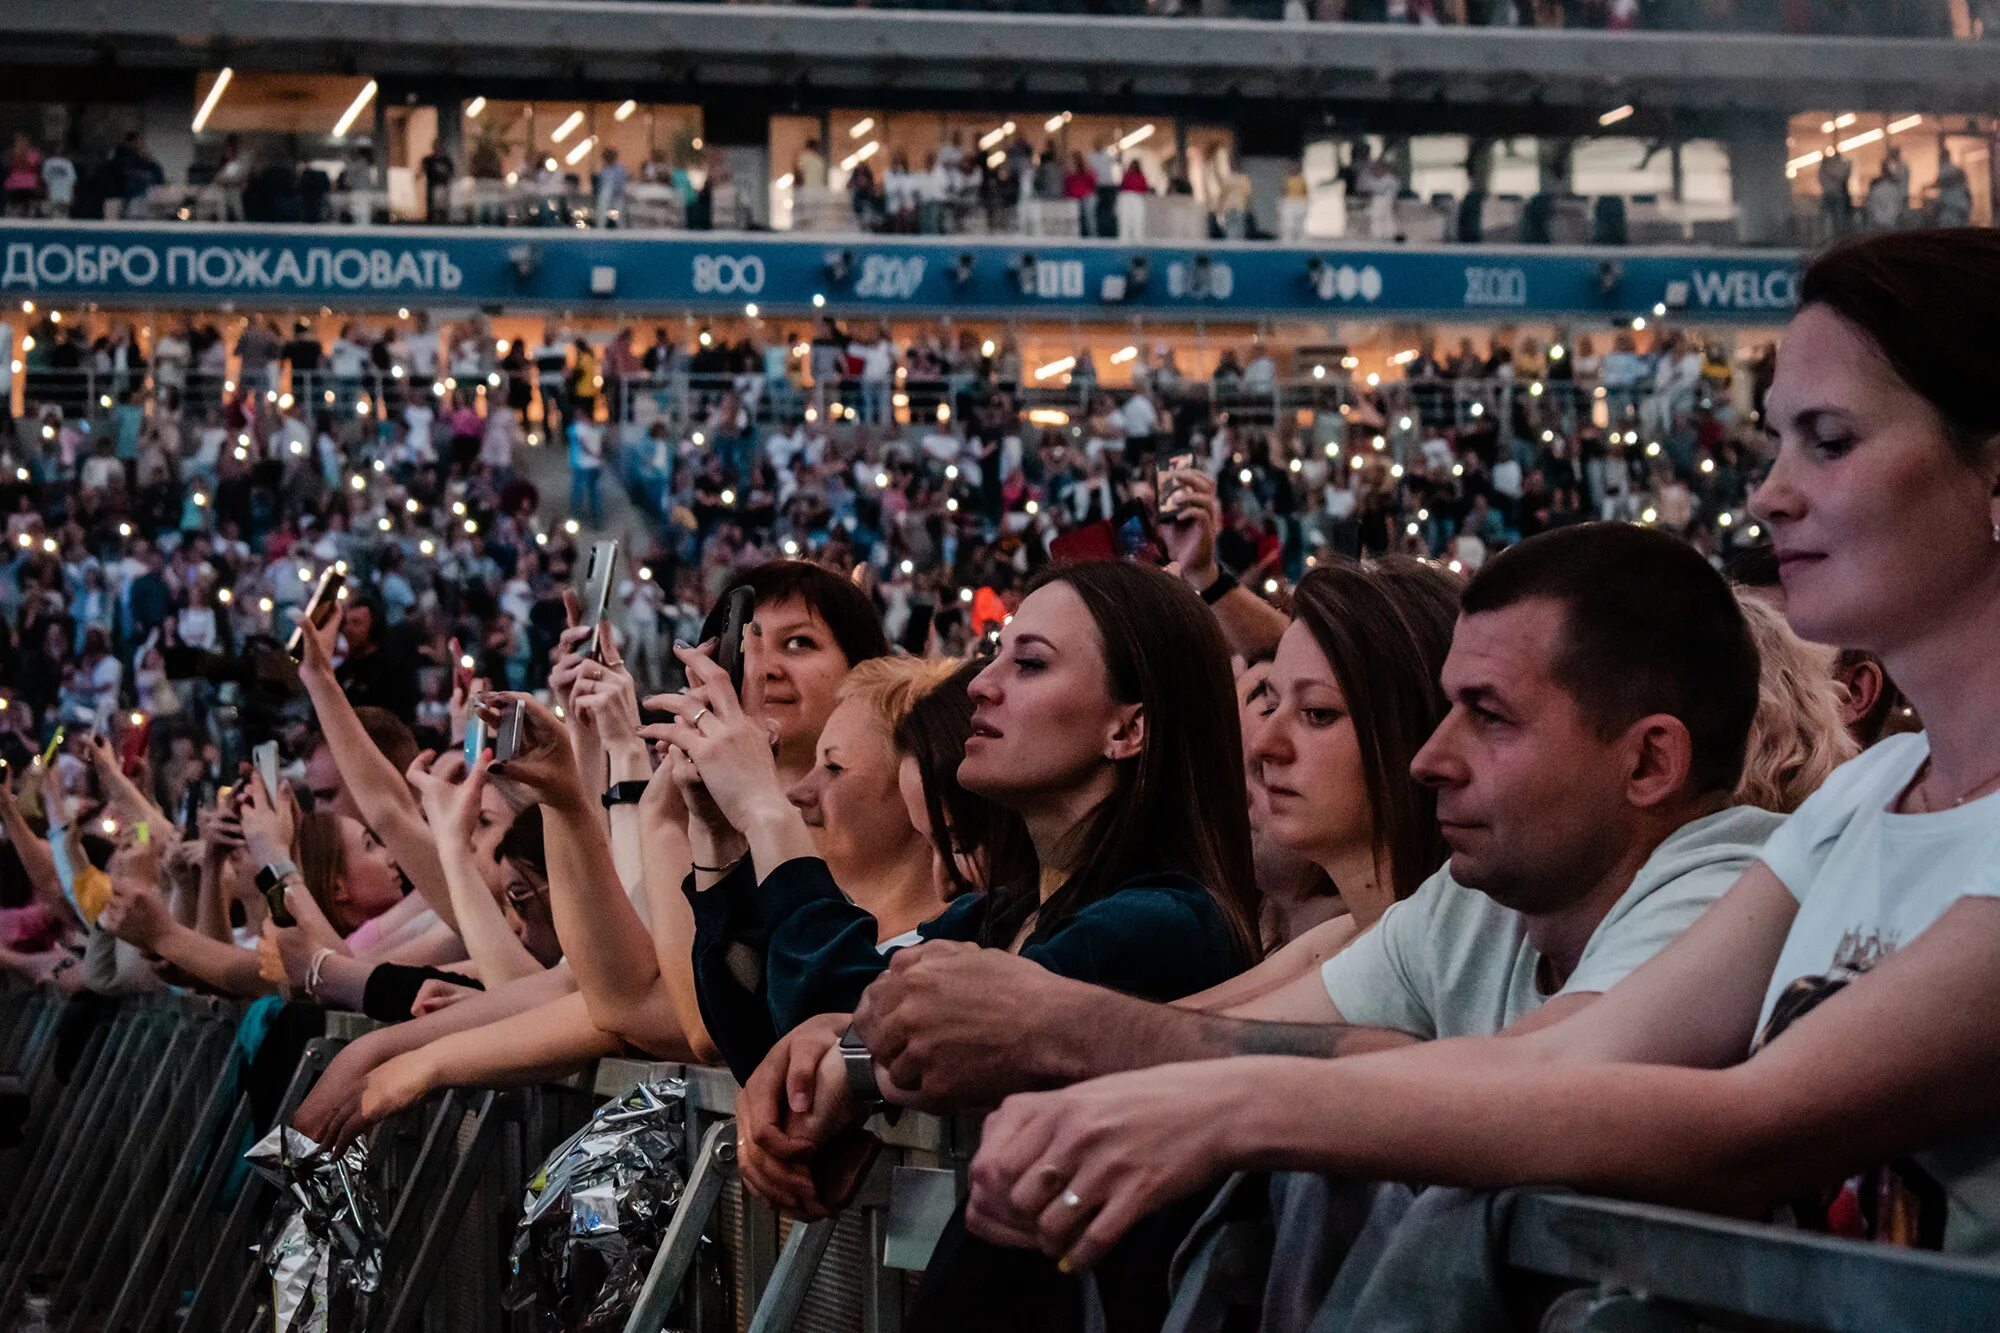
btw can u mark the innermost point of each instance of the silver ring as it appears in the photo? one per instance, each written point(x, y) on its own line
point(1072, 1200)
point(695, 721)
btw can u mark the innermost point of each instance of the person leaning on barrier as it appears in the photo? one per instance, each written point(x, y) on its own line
point(545, 1024)
point(1587, 824)
point(876, 842)
point(1106, 722)
point(1823, 1041)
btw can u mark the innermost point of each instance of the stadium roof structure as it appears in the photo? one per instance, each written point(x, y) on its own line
point(1020, 57)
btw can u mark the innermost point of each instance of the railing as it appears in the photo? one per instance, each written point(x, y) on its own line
point(119, 1210)
point(695, 409)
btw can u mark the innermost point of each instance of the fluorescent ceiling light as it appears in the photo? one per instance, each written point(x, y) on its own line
point(214, 96)
point(353, 112)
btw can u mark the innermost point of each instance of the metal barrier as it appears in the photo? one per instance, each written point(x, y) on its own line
point(117, 1215)
point(121, 1217)
point(1663, 1270)
point(116, 1182)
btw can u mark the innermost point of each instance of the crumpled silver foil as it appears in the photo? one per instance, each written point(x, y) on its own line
point(596, 1211)
point(324, 1250)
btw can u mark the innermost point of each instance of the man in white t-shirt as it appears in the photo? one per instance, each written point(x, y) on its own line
point(1141, 419)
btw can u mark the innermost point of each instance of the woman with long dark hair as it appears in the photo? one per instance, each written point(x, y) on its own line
point(1105, 724)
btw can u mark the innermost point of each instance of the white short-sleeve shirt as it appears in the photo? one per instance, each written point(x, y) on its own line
point(1868, 883)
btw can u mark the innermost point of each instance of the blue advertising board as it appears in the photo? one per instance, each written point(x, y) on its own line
point(375, 267)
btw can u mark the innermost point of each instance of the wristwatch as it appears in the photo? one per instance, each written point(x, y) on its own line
point(271, 876)
point(859, 1065)
point(625, 793)
point(1224, 584)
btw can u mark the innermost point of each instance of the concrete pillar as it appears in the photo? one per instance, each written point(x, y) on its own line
point(1763, 196)
point(1267, 186)
point(165, 118)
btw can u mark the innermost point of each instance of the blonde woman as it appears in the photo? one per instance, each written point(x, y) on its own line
point(1799, 735)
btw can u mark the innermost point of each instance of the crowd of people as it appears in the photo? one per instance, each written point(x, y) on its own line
point(1285, 935)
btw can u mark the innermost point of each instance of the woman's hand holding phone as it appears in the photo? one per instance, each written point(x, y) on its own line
point(543, 763)
point(1189, 531)
point(267, 824)
point(450, 792)
point(317, 642)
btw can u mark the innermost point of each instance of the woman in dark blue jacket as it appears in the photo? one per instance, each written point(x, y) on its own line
point(1107, 723)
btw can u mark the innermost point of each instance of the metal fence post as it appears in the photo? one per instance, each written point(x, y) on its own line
point(715, 1163)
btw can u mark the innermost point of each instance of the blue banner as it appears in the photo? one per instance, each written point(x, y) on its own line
point(374, 267)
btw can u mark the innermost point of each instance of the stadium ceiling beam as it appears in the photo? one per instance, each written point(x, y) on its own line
point(742, 45)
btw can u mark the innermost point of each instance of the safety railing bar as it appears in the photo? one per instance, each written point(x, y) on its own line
point(138, 1151)
point(432, 1158)
point(80, 1164)
point(50, 1137)
point(197, 1143)
point(234, 1235)
point(444, 1218)
point(792, 1277)
point(1748, 1269)
point(221, 1161)
point(715, 1162)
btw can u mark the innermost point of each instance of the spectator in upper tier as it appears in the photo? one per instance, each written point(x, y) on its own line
point(22, 185)
point(809, 171)
point(1836, 207)
point(439, 172)
point(612, 178)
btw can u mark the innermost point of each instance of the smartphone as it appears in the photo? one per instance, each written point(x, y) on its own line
point(265, 757)
point(597, 582)
point(508, 743)
point(475, 739)
point(281, 912)
point(55, 744)
point(1164, 488)
point(320, 608)
point(729, 651)
point(198, 793)
point(917, 633)
point(143, 832)
point(1137, 535)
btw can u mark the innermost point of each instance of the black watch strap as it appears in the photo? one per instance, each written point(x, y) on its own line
point(625, 793)
point(1225, 583)
point(271, 876)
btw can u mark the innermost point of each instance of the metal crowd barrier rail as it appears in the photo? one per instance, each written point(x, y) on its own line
point(119, 1214)
point(1663, 1270)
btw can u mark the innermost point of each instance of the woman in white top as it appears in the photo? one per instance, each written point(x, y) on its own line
point(1825, 1041)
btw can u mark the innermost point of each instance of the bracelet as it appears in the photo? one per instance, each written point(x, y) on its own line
point(1225, 583)
point(722, 869)
point(312, 972)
